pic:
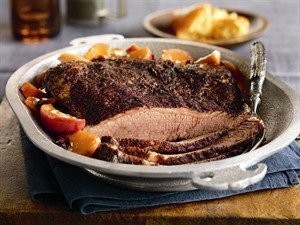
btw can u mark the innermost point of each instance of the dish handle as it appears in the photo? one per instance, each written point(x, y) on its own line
point(96, 39)
point(233, 178)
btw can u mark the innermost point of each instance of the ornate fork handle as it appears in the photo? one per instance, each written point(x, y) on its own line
point(257, 73)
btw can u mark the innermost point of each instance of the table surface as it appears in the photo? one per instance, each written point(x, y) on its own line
point(272, 206)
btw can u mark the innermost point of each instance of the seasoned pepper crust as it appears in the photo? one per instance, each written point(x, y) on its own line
point(103, 88)
point(154, 112)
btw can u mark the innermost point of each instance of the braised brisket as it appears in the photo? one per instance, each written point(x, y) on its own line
point(156, 112)
point(236, 141)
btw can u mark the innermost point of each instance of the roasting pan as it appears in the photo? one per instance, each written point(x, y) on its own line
point(279, 109)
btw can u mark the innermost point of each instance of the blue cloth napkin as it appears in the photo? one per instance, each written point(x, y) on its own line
point(50, 178)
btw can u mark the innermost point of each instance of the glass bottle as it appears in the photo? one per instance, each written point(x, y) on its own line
point(35, 20)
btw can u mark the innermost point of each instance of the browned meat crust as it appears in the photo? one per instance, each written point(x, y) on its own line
point(104, 88)
point(156, 112)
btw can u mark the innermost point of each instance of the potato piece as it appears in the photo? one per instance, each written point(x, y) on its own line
point(34, 104)
point(176, 55)
point(200, 20)
point(84, 143)
point(141, 53)
point(197, 24)
point(230, 27)
point(219, 14)
point(213, 58)
point(67, 57)
point(31, 103)
point(97, 50)
point(117, 52)
point(205, 22)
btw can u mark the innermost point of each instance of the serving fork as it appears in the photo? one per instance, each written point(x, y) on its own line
point(257, 77)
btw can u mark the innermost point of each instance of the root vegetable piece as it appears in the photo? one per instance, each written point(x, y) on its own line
point(132, 48)
point(97, 50)
point(141, 53)
point(67, 57)
point(59, 123)
point(84, 143)
point(213, 58)
point(32, 103)
point(29, 90)
point(176, 55)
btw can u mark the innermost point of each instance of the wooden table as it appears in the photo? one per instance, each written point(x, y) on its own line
point(281, 206)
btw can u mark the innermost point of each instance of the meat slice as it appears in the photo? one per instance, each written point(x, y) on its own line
point(236, 141)
point(145, 99)
point(109, 152)
point(172, 147)
point(165, 124)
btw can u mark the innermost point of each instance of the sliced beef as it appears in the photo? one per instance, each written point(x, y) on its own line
point(236, 141)
point(165, 124)
point(172, 147)
point(154, 112)
point(145, 99)
point(108, 152)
